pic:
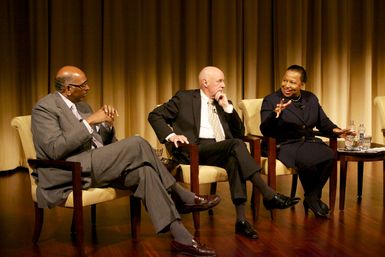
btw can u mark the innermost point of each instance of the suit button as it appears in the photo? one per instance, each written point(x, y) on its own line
point(303, 126)
point(303, 138)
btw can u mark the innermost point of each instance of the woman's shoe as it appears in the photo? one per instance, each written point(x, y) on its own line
point(315, 208)
point(324, 206)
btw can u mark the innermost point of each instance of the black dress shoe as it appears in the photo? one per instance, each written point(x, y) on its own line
point(280, 202)
point(201, 203)
point(196, 249)
point(244, 228)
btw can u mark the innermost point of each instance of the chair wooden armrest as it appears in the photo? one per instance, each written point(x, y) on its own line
point(271, 160)
point(76, 170)
point(74, 167)
point(194, 165)
point(255, 147)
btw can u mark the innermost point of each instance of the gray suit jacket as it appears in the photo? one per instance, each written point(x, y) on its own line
point(59, 135)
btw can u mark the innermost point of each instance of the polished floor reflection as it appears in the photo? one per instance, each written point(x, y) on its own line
point(357, 231)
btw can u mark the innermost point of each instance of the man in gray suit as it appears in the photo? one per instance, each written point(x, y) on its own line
point(65, 128)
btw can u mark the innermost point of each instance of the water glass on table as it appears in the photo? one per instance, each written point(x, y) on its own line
point(349, 142)
point(366, 142)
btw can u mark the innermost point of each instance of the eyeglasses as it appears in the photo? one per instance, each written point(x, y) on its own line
point(81, 86)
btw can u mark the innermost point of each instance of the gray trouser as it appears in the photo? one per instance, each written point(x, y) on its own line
point(135, 160)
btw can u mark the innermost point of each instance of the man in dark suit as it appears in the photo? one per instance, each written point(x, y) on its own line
point(65, 128)
point(290, 115)
point(206, 117)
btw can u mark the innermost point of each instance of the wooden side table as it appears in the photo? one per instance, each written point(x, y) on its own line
point(360, 158)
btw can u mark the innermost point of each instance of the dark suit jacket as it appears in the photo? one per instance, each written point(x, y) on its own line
point(182, 115)
point(294, 128)
point(59, 135)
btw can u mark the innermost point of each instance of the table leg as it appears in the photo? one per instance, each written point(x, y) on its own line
point(383, 183)
point(343, 169)
point(333, 186)
point(360, 172)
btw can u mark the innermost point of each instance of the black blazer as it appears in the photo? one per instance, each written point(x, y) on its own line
point(294, 127)
point(182, 115)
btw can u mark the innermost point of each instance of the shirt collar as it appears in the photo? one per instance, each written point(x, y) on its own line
point(66, 100)
point(204, 97)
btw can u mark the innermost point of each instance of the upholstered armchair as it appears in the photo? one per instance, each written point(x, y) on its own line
point(78, 198)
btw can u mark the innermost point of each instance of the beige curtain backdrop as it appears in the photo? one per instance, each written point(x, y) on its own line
point(139, 53)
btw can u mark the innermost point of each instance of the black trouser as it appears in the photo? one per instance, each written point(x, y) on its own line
point(314, 178)
point(232, 155)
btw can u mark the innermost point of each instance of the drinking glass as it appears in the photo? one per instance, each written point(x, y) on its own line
point(366, 142)
point(349, 142)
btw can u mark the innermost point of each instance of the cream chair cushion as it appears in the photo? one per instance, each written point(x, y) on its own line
point(90, 196)
point(207, 174)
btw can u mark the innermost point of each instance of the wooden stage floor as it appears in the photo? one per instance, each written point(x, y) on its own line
point(359, 230)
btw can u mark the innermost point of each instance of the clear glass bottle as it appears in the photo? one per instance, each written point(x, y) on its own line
point(352, 127)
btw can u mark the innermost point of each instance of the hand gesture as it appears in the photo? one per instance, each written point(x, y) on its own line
point(281, 106)
point(106, 113)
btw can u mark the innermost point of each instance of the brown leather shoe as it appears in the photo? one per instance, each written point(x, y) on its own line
point(196, 249)
point(201, 203)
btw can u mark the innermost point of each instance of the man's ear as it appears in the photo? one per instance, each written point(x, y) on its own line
point(67, 90)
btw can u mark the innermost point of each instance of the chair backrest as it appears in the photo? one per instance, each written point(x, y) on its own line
point(379, 102)
point(23, 126)
point(251, 115)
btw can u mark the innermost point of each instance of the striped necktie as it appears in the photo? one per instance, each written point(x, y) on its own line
point(215, 122)
point(95, 142)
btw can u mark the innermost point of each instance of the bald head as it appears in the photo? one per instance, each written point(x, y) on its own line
point(208, 72)
point(72, 83)
point(67, 75)
point(211, 81)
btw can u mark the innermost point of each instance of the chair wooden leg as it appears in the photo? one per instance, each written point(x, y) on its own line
point(196, 219)
point(93, 215)
point(135, 215)
point(213, 191)
point(294, 184)
point(39, 216)
point(77, 229)
point(383, 181)
point(255, 203)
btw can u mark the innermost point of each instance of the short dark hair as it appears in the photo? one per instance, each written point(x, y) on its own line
point(60, 83)
point(301, 70)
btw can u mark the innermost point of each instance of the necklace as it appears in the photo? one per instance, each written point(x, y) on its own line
point(296, 100)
